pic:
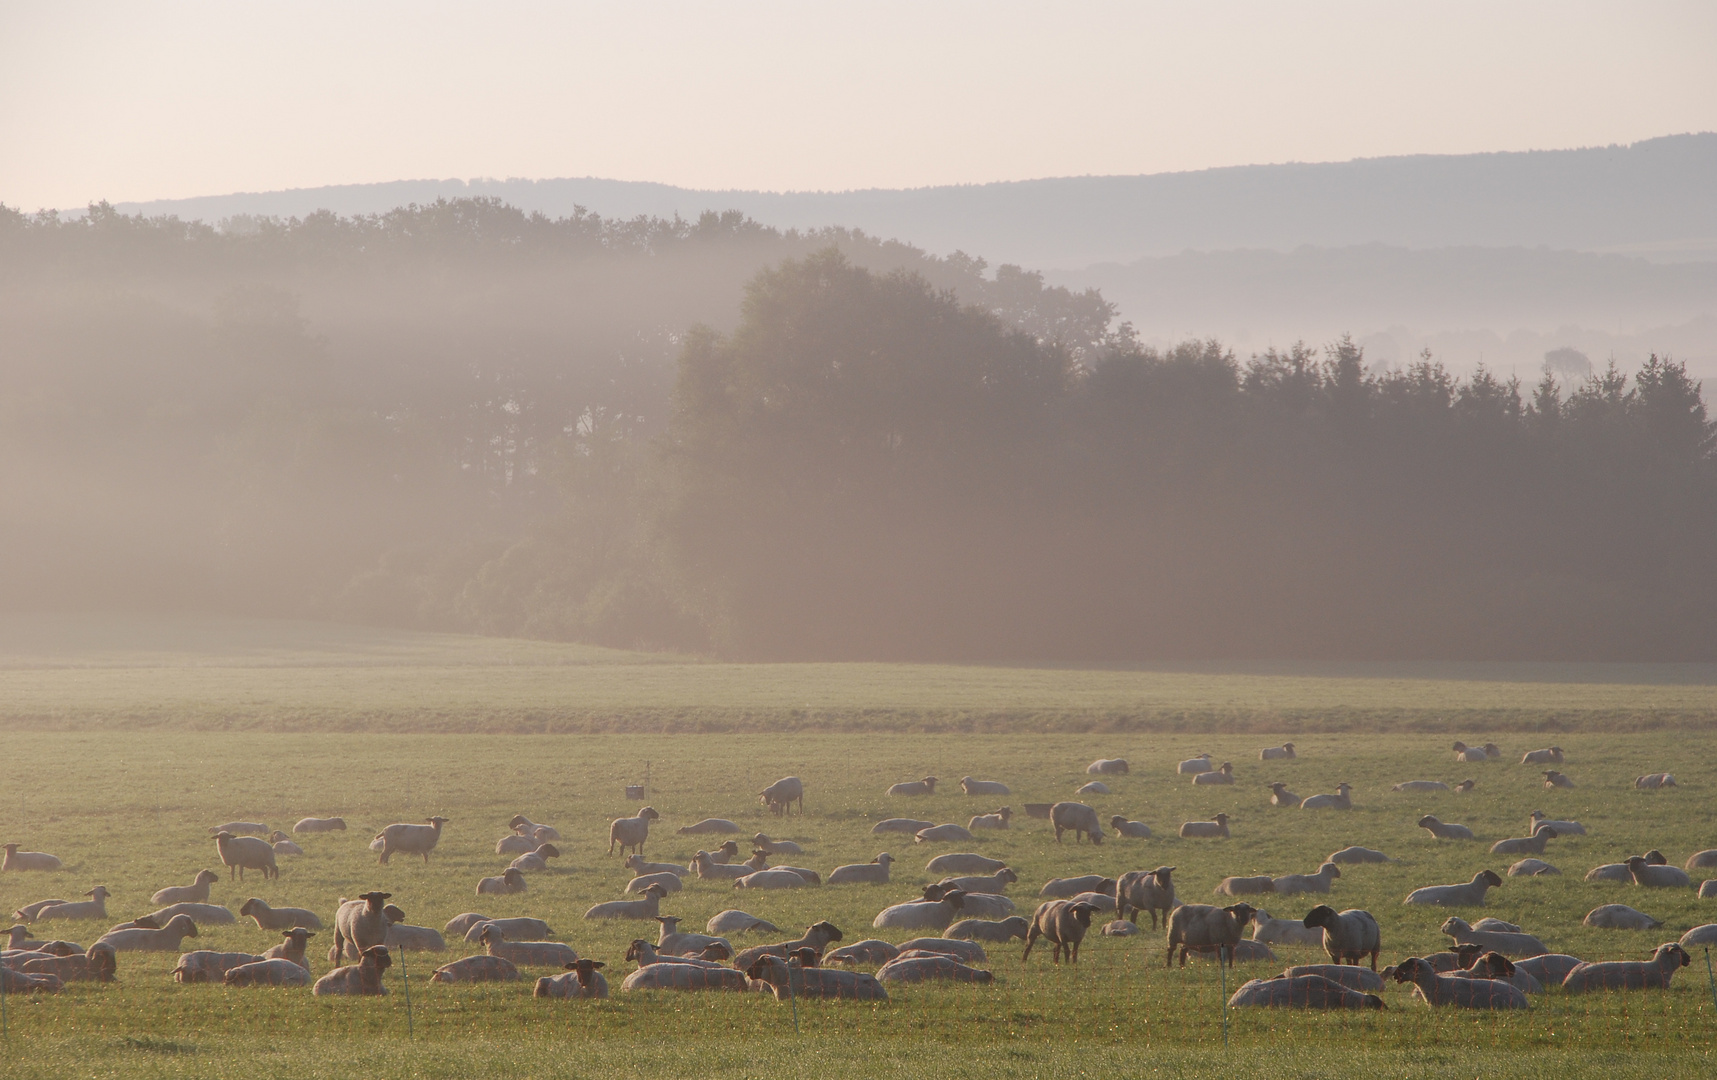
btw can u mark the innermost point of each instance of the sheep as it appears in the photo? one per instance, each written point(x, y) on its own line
point(710, 870)
point(733, 921)
point(684, 977)
point(778, 878)
point(926, 786)
point(983, 787)
point(669, 882)
point(647, 906)
point(1204, 928)
point(267, 973)
point(941, 834)
point(423, 938)
point(1119, 928)
point(641, 868)
point(28, 860)
point(1549, 969)
point(645, 953)
point(901, 825)
point(1494, 965)
point(1489, 923)
point(1348, 936)
point(1453, 990)
point(509, 883)
point(1000, 930)
point(97, 964)
point(1563, 828)
point(1194, 766)
point(1108, 767)
point(1532, 868)
point(1224, 774)
point(583, 979)
point(1653, 781)
point(1653, 974)
point(874, 872)
point(707, 825)
point(780, 796)
point(790, 979)
point(1656, 877)
point(1708, 889)
point(1063, 923)
point(1301, 992)
point(205, 966)
point(1554, 779)
point(1550, 755)
point(1701, 859)
point(1509, 944)
point(673, 941)
point(993, 906)
point(1469, 894)
point(1619, 871)
point(241, 853)
point(19, 940)
point(1216, 828)
point(761, 842)
point(167, 939)
point(870, 952)
point(201, 914)
point(1277, 753)
point(196, 892)
point(1281, 796)
point(922, 914)
point(1525, 845)
point(283, 844)
point(320, 824)
point(527, 953)
point(292, 947)
point(283, 918)
point(1269, 930)
point(409, 839)
point(240, 828)
point(13, 981)
point(1095, 787)
point(997, 819)
point(1293, 884)
point(818, 937)
point(1349, 855)
point(1619, 917)
point(1062, 888)
point(1245, 886)
point(1492, 750)
point(1341, 800)
point(359, 925)
point(86, 909)
point(631, 832)
point(538, 859)
point(1136, 830)
point(1700, 935)
point(475, 969)
point(362, 978)
point(930, 968)
point(516, 844)
point(963, 862)
point(1420, 785)
point(542, 834)
point(1470, 754)
point(28, 912)
point(1466, 786)
point(1443, 830)
point(997, 882)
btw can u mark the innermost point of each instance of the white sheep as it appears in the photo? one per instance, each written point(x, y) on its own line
point(996, 820)
point(1341, 800)
point(963, 862)
point(583, 979)
point(281, 918)
point(476, 969)
point(1700, 860)
point(1301, 992)
point(518, 843)
point(1550, 755)
point(1193, 766)
point(1443, 830)
point(669, 882)
point(1619, 871)
point(777, 878)
point(1619, 917)
point(28, 860)
point(201, 914)
point(509, 883)
point(293, 946)
point(930, 968)
point(519, 929)
point(673, 976)
point(926, 786)
point(997, 882)
point(1223, 774)
point(1470, 754)
point(96, 964)
point(408, 838)
point(1273, 931)
point(1205, 928)
point(1467, 894)
point(1077, 818)
point(1525, 845)
point(1245, 886)
point(1657, 877)
point(542, 834)
point(205, 966)
point(196, 892)
point(818, 937)
point(362, 978)
point(1281, 796)
point(1292, 884)
point(359, 926)
point(647, 906)
point(922, 914)
point(631, 832)
point(527, 953)
point(789, 979)
point(942, 834)
point(1420, 785)
point(1095, 787)
point(780, 796)
point(1705, 934)
point(1653, 781)
point(538, 859)
point(1136, 830)
point(1554, 779)
point(999, 930)
point(1356, 855)
point(871, 952)
point(1277, 753)
point(900, 825)
point(1063, 923)
point(1214, 829)
point(706, 826)
point(1532, 868)
point(95, 908)
point(1653, 974)
point(423, 938)
point(27, 913)
point(240, 828)
point(283, 844)
point(761, 842)
point(1348, 936)
point(140, 939)
point(320, 824)
point(1108, 767)
point(1464, 993)
point(672, 940)
point(241, 853)
point(708, 869)
point(267, 973)
point(1509, 944)
point(983, 787)
point(1563, 828)
point(874, 872)
point(1549, 969)
point(733, 921)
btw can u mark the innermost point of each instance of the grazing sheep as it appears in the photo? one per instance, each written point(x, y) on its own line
point(999, 930)
point(1619, 871)
point(901, 825)
point(283, 844)
point(1063, 887)
point(1525, 845)
point(1509, 944)
point(1277, 753)
point(1653, 974)
point(672, 976)
point(995, 820)
point(1463, 993)
point(1550, 755)
point(669, 882)
point(1145, 890)
point(709, 870)
point(282, 918)
point(1444, 830)
point(1420, 785)
point(139, 939)
point(1653, 781)
point(98, 964)
point(241, 853)
point(1270, 930)
point(941, 834)
point(1245, 886)
point(1292, 884)
point(926, 786)
point(1063, 924)
point(818, 937)
point(509, 883)
point(930, 969)
point(708, 825)
point(631, 832)
point(85, 909)
point(527, 953)
point(28, 860)
point(870, 953)
point(201, 914)
point(1216, 828)
point(1341, 800)
point(1532, 868)
point(1108, 767)
point(1095, 787)
point(520, 929)
point(1655, 877)
point(1301, 992)
point(1469, 894)
point(790, 979)
point(780, 796)
point(997, 882)
point(1554, 779)
point(1702, 859)
point(1136, 830)
point(204, 966)
point(641, 868)
point(583, 979)
point(1349, 855)
point(1204, 928)
point(983, 787)
point(1563, 828)
point(1470, 754)
point(359, 925)
point(733, 921)
point(761, 842)
point(1223, 774)
point(320, 824)
point(1619, 917)
point(1281, 796)
point(1549, 969)
point(240, 828)
point(963, 862)
point(874, 872)
point(197, 892)
point(1348, 936)
point(922, 914)
point(1194, 766)
point(647, 906)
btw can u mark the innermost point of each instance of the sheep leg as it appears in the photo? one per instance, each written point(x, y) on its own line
point(1374, 953)
point(1030, 940)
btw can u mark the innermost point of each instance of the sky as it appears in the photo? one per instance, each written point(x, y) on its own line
point(137, 101)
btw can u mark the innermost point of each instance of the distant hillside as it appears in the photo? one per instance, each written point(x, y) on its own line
point(1656, 198)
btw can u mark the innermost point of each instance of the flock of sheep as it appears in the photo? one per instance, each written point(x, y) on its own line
point(1489, 964)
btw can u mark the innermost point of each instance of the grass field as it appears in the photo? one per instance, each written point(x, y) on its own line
point(130, 809)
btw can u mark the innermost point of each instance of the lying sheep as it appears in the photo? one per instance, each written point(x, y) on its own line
point(283, 918)
point(1000, 930)
point(983, 787)
point(1223, 774)
point(992, 906)
point(818, 937)
point(1653, 974)
point(536, 860)
point(1700, 935)
point(1554, 779)
point(241, 853)
point(1420, 785)
point(268, 973)
point(1525, 845)
point(201, 914)
point(97, 964)
point(1108, 767)
point(669, 882)
point(1563, 828)
point(1194, 766)
point(516, 844)
point(1549, 969)
point(874, 872)
point(1509, 944)
point(1444, 830)
point(1348, 936)
point(423, 938)
point(641, 868)
point(13, 981)
point(1293, 884)
point(997, 882)
point(583, 979)
point(1469, 894)
point(204, 966)
point(519, 929)
point(1708, 889)
point(95, 908)
point(789, 979)
point(1216, 828)
point(1353, 977)
point(733, 921)
point(1136, 830)
point(1492, 750)
point(1302, 992)
point(1532, 868)
point(707, 825)
point(509, 883)
point(1245, 886)
point(320, 825)
point(1356, 855)
point(240, 828)
point(1204, 928)
point(138, 939)
point(1466, 786)
point(1550, 755)
point(963, 862)
point(1653, 781)
point(901, 825)
point(926, 786)
point(293, 946)
point(197, 892)
point(1270, 930)
point(283, 844)
point(409, 839)
point(527, 953)
point(997, 819)
point(1619, 871)
point(780, 796)
point(922, 914)
point(1063, 924)
point(930, 969)
point(1341, 800)
point(647, 906)
point(761, 842)
point(1277, 753)
point(1440, 990)
point(1062, 888)
point(942, 834)
point(709, 870)
point(684, 977)
point(359, 926)
point(476, 969)
point(542, 834)
point(870, 953)
point(1619, 917)
point(1470, 754)
point(28, 912)
point(643, 953)
point(1701, 859)
point(1095, 787)
point(1119, 928)
point(779, 878)
point(1281, 796)
point(1657, 877)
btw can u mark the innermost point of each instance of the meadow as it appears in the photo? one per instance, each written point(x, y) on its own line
point(128, 806)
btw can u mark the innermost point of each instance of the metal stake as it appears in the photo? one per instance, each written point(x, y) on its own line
point(1222, 964)
point(1710, 978)
point(405, 977)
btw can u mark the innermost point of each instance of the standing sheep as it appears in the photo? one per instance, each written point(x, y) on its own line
point(1348, 936)
point(1204, 928)
point(1077, 818)
point(1063, 923)
point(409, 839)
point(359, 926)
point(631, 832)
point(241, 853)
point(780, 796)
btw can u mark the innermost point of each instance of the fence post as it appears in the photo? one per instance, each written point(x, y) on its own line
point(405, 977)
point(1222, 965)
point(1712, 979)
point(793, 998)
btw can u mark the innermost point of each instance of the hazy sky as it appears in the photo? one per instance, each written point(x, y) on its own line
point(131, 101)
